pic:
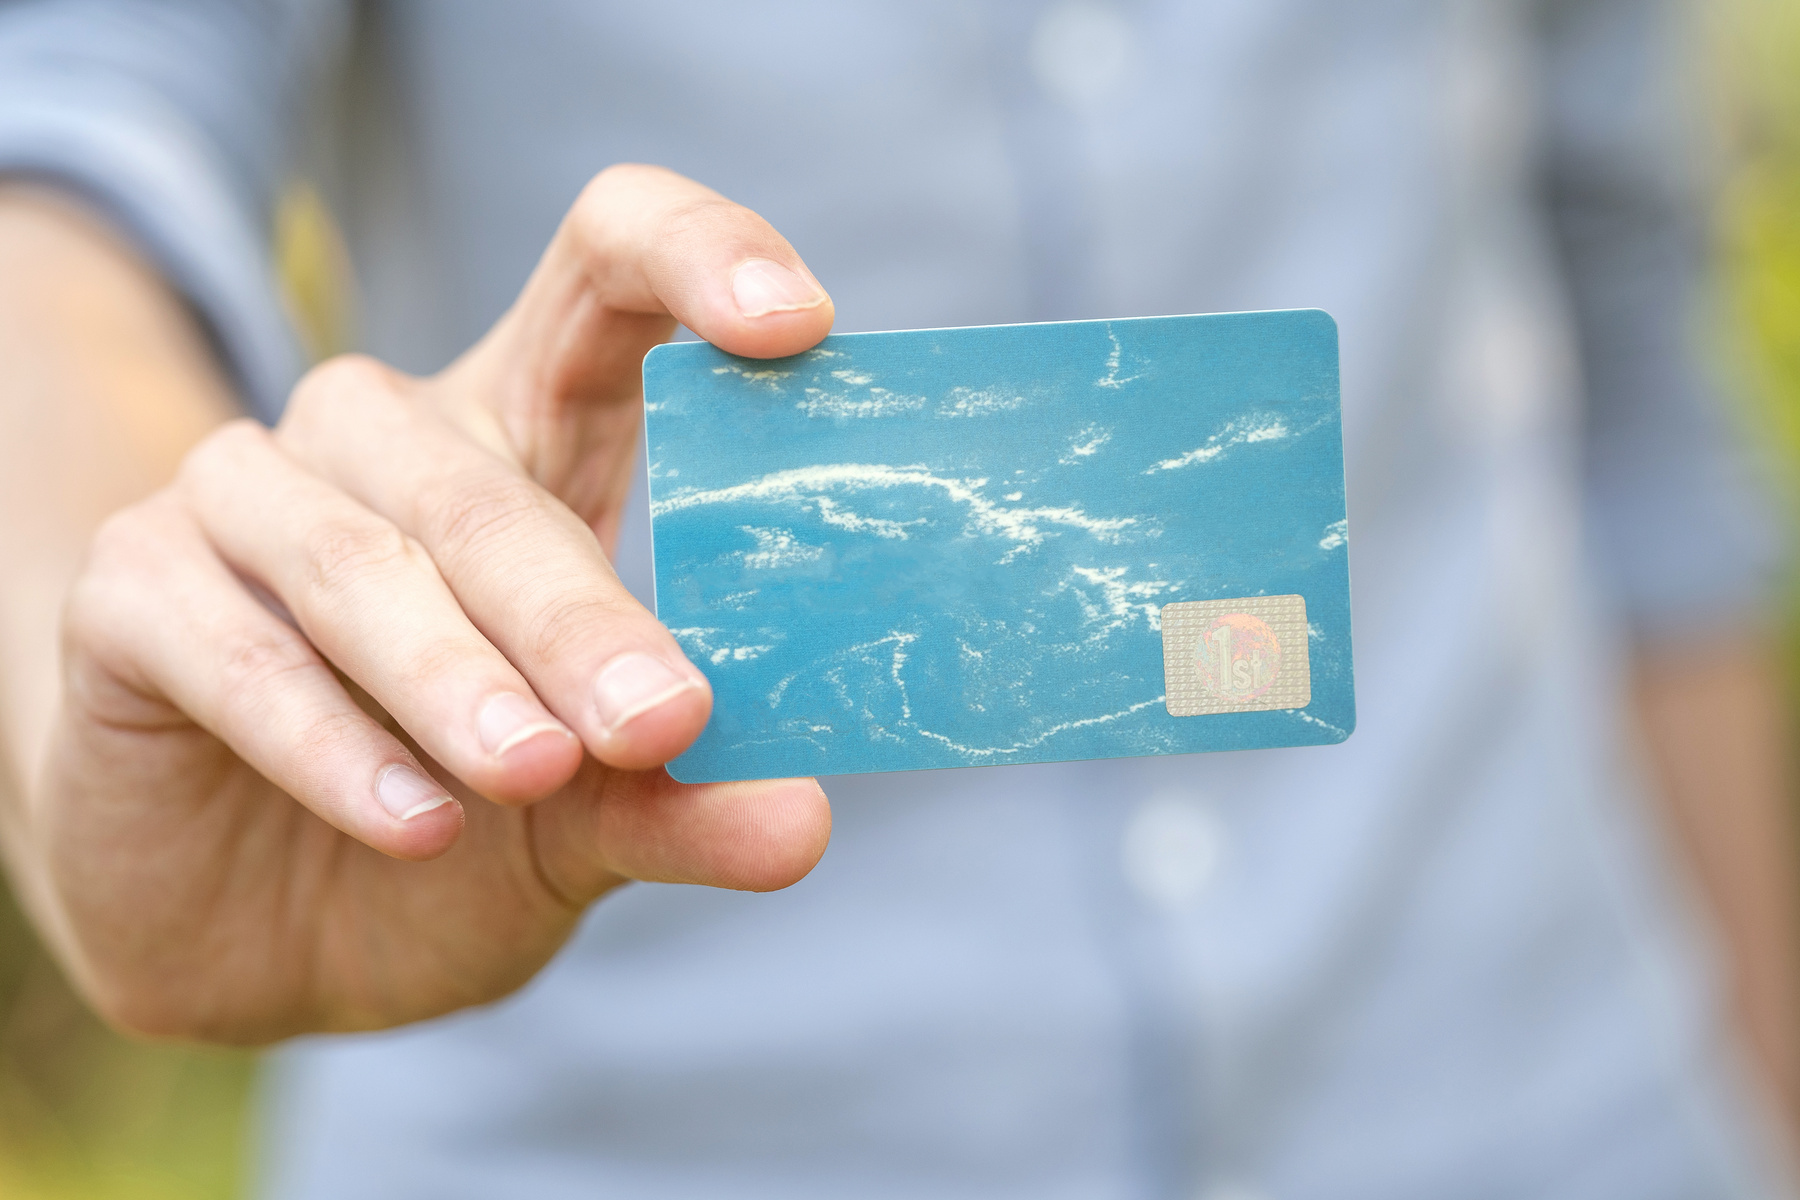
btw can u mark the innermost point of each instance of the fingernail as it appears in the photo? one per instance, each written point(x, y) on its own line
point(761, 287)
point(633, 684)
point(508, 719)
point(405, 793)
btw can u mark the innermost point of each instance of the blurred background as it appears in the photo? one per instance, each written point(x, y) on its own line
point(84, 1113)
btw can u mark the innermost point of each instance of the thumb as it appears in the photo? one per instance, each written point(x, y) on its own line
point(641, 249)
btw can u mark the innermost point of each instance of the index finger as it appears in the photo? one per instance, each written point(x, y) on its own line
point(641, 244)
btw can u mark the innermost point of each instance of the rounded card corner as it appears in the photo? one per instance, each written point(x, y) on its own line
point(1322, 318)
point(687, 772)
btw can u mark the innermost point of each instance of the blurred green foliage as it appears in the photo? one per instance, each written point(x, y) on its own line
point(1757, 68)
point(87, 1114)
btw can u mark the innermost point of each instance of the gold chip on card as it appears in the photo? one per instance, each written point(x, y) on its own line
point(1247, 654)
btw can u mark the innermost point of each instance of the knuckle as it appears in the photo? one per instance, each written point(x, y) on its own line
point(256, 663)
point(679, 205)
point(590, 220)
point(221, 451)
point(469, 513)
point(347, 376)
point(90, 619)
point(568, 628)
point(90, 611)
point(624, 177)
point(116, 542)
point(340, 553)
point(330, 738)
point(701, 216)
point(336, 389)
point(118, 577)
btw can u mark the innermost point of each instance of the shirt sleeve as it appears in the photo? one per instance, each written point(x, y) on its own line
point(1683, 522)
point(179, 122)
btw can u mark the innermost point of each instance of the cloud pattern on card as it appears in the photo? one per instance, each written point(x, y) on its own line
point(950, 547)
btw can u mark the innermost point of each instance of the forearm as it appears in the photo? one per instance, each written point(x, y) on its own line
point(105, 381)
point(1717, 728)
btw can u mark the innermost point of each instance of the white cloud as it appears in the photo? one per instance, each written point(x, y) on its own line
point(878, 403)
point(1111, 378)
point(1120, 602)
point(970, 402)
point(776, 548)
point(697, 641)
point(767, 377)
point(1247, 430)
point(804, 486)
point(1087, 443)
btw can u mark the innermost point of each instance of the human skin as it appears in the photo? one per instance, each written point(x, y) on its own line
point(1717, 733)
point(354, 718)
point(188, 895)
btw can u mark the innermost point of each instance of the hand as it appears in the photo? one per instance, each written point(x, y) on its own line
point(357, 718)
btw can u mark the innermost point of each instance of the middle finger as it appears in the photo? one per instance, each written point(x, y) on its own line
point(372, 602)
point(529, 573)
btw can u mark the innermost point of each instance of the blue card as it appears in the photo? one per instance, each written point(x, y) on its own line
point(1011, 544)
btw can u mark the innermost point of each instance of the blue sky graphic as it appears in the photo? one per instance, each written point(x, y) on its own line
point(946, 548)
